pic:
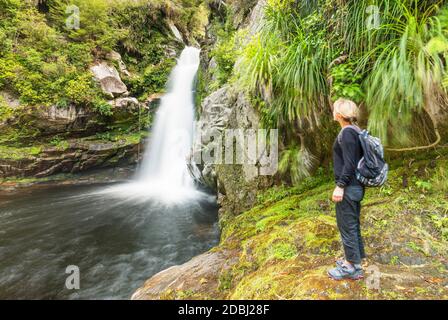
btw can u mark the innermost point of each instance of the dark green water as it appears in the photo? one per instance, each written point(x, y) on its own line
point(116, 244)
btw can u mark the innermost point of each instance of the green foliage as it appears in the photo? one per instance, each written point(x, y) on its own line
point(296, 164)
point(412, 245)
point(258, 65)
point(397, 68)
point(147, 33)
point(59, 143)
point(401, 60)
point(225, 54)
point(227, 48)
point(107, 136)
point(46, 63)
point(153, 79)
point(424, 186)
point(386, 190)
point(103, 107)
point(284, 251)
point(42, 68)
point(80, 89)
point(441, 223)
point(395, 260)
point(144, 25)
point(346, 83)
point(5, 110)
point(96, 25)
point(285, 63)
point(406, 77)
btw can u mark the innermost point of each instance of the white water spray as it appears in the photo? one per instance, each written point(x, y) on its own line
point(164, 173)
point(171, 141)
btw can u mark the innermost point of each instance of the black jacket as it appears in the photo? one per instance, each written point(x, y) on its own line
point(347, 152)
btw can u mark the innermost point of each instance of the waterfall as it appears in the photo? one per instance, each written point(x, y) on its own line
point(164, 162)
point(164, 174)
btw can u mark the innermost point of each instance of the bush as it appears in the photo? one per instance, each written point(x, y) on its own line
point(5, 110)
point(225, 54)
point(102, 107)
point(80, 89)
point(96, 25)
point(346, 83)
point(153, 80)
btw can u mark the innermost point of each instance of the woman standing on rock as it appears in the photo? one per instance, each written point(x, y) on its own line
point(348, 194)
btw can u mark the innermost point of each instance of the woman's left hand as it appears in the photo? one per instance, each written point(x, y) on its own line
point(338, 194)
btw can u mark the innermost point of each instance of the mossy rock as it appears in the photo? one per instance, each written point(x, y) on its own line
point(283, 246)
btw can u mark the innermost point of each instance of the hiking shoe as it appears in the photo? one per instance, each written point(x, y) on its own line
point(341, 262)
point(344, 271)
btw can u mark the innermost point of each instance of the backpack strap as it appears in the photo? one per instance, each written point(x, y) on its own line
point(354, 127)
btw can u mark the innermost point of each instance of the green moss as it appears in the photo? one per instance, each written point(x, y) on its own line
point(60, 143)
point(120, 137)
point(283, 251)
point(321, 235)
point(29, 181)
point(5, 110)
point(289, 240)
point(152, 79)
point(225, 280)
point(12, 153)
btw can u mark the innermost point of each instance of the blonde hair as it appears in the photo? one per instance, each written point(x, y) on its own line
point(347, 109)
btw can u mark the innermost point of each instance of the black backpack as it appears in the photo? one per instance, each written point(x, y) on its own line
point(372, 169)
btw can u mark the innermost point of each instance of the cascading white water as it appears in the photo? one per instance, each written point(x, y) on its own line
point(164, 174)
point(164, 162)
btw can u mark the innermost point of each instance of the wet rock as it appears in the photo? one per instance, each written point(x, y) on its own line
point(175, 31)
point(229, 108)
point(200, 275)
point(10, 99)
point(115, 56)
point(255, 18)
point(103, 175)
point(212, 65)
point(78, 156)
point(41, 121)
point(109, 79)
point(127, 103)
point(222, 111)
point(216, 110)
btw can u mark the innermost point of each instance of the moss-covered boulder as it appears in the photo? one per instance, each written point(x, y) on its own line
point(283, 246)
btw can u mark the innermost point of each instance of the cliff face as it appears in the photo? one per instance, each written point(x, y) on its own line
point(236, 184)
point(228, 108)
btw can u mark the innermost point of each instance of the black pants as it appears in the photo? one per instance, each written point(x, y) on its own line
point(347, 216)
